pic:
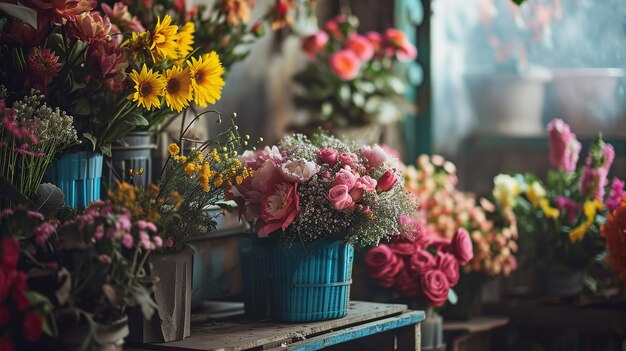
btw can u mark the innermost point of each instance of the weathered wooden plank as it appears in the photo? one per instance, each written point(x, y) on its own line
point(243, 335)
point(407, 321)
point(476, 325)
point(409, 338)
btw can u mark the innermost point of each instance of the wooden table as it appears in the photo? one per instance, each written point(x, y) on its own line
point(473, 334)
point(368, 326)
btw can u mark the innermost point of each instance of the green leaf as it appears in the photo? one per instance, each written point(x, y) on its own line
point(136, 120)
point(92, 138)
point(518, 2)
point(141, 297)
point(106, 150)
point(25, 14)
point(452, 297)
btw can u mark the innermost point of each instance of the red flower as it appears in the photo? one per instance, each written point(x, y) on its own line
point(43, 66)
point(386, 181)
point(61, 11)
point(383, 265)
point(435, 287)
point(408, 284)
point(449, 265)
point(614, 233)
point(10, 251)
point(108, 63)
point(422, 262)
point(33, 326)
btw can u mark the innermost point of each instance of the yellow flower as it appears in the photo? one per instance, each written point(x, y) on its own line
point(204, 183)
point(206, 170)
point(148, 88)
point(216, 156)
point(218, 181)
point(190, 168)
point(185, 39)
point(578, 233)
point(535, 193)
point(505, 191)
point(173, 149)
point(164, 39)
point(239, 179)
point(206, 78)
point(548, 210)
point(177, 90)
point(138, 46)
point(590, 208)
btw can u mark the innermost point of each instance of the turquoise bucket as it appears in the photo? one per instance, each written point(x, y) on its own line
point(79, 176)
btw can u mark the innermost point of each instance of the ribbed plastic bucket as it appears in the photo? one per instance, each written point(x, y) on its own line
point(312, 283)
point(256, 272)
point(79, 177)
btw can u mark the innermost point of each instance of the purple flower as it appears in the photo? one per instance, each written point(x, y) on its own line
point(43, 232)
point(564, 148)
point(616, 194)
point(565, 204)
point(597, 165)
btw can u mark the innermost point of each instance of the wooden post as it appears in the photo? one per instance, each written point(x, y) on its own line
point(409, 338)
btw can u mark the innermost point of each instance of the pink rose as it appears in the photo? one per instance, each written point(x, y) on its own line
point(279, 209)
point(363, 184)
point(421, 262)
point(376, 40)
point(461, 246)
point(348, 159)
point(328, 156)
point(405, 51)
point(360, 46)
point(383, 265)
point(356, 193)
point(314, 43)
point(408, 284)
point(339, 198)
point(386, 181)
point(345, 64)
point(375, 155)
point(449, 265)
point(435, 287)
point(345, 177)
point(406, 249)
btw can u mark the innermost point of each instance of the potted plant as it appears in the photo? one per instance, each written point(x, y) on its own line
point(352, 80)
point(31, 134)
point(563, 215)
point(420, 265)
point(444, 209)
point(317, 197)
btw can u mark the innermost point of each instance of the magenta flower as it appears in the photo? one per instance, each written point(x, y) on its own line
point(564, 148)
point(107, 62)
point(43, 66)
point(616, 194)
point(569, 206)
point(597, 165)
point(127, 241)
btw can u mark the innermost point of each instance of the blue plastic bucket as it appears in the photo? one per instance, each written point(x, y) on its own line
point(79, 177)
point(311, 283)
point(255, 277)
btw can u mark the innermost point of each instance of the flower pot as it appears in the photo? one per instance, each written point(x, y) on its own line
point(172, 294)
point(585, 98)
point(311, 283)
point(79, 176)
point(133, 152)
point(508, 103)
point(565, 282)
point(432, 332)
point(255, 273)
point(104, 338)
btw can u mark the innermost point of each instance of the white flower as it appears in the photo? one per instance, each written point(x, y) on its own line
point(299, 171)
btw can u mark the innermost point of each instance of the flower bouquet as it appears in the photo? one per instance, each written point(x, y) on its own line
point(444, 209)
point(351, 79)
point(564, 214)
point(317, 197)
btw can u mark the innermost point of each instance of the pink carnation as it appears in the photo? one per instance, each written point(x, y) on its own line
point(361, 47)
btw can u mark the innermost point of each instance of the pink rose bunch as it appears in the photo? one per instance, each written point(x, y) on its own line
point(355, 50)
point(444, 209)
point(419, 264)
point(297, 181)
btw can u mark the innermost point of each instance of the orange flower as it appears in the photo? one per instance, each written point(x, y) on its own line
point(614, 232)
point(237, 11)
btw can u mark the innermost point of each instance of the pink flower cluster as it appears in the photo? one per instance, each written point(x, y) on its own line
point(420, 264)
point(444, 209)
point(346, 182)
point(24, 140)
point(355, 49)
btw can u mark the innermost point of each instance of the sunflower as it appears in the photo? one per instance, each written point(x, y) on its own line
point(177, 90)
point(148, 87)
point(164, 39)
point(206, 78)
point(185, 39)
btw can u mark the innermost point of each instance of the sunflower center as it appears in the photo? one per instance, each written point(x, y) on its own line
point(145, 89)
point(173, 86)
point(199, 77)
